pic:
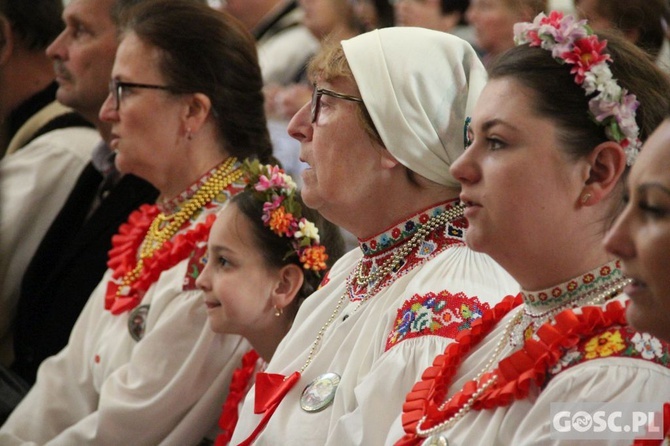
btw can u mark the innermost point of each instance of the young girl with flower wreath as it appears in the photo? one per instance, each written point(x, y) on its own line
point(553, 134)
point(266, 253)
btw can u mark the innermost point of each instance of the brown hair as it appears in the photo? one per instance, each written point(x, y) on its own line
point(559, 98)
point(278, 251)
point(210, 52)
point(645, 17)
point(36, 23)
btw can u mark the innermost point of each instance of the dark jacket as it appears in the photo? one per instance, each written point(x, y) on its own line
point(68, 265)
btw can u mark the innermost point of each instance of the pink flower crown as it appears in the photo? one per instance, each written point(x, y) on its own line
point(282, 213)
point(572, 41)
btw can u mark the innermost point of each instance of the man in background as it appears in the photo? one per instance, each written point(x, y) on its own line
point(72, 257)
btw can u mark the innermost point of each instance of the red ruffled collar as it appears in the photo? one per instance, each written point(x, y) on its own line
point(516, 373)
point(123, 257)
point(239, 386)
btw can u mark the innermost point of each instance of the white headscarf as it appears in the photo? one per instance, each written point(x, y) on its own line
point(419, 86)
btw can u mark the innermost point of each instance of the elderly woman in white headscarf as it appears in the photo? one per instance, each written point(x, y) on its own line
point(387, 118)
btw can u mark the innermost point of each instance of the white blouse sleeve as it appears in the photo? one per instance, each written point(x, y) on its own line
point(106, 388)
point(380, 394)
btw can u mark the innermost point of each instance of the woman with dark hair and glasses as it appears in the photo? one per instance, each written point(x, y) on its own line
point(142, 366)
point(386, 120)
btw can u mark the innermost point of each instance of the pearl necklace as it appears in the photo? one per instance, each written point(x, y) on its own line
point(387, 268)
point(390, 264)
point(611, 291)
point(159, 232)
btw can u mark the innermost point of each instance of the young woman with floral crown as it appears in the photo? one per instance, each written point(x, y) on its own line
point(553, 132)
point(378, 136)
point(266, 253)
point(142, 367)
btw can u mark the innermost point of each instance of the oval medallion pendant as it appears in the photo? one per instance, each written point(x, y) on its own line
point(137, 321)
point(435, 440)
point(320, 393)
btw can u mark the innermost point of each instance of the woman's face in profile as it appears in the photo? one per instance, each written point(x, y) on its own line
point(515, 178)
point(146, 118)
point(641, 236)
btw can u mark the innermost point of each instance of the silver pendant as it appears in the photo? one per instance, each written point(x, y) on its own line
point(435, 440)
point(320, 393)
point(137, 322)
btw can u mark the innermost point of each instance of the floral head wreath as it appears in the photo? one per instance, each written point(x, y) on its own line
point(572, 42)
point(282, 213)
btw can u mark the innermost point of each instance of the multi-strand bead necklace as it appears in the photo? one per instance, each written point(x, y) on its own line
point(375, 277)
point(487, 376)
point(163, 227)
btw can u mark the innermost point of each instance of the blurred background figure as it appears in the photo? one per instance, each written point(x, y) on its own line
point(441, 15)
point(284, 44)
point(334, 20)
point(373, 14)
point(45, 145)
point(71, 254)
point(643, 23)
point(493, 21)
point(325, 19)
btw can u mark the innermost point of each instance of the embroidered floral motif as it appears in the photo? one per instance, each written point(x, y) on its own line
point(380, 249)
point(647, 345)
point(196, 263)
point(403, 231)
point(443, 314)
point(588, 283)
point(604, 345)
point(617, 341)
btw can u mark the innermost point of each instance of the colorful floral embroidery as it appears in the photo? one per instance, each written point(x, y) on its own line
point(648, 346)
point(603, 345)
point(196, 263)
point(403, 231)
point(443, 314)
point(380, 249)
point(617, 341)
point(590, 282)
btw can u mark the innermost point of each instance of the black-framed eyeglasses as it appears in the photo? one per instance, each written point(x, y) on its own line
point(316, 99)
point(116, 89)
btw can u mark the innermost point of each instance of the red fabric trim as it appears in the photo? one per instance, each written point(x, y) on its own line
point(516, 373)
point(123, 256)
point(237, 390)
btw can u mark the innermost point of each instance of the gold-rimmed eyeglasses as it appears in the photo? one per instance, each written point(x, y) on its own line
point(316, 99)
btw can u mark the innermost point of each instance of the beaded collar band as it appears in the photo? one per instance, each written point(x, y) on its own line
point(572, 42)
point(282, 213)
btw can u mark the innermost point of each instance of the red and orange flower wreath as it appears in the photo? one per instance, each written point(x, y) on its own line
point(282, 212)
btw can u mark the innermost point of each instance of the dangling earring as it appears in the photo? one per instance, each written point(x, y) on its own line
point(585, 198)
point(278, 311)
point(188, 134)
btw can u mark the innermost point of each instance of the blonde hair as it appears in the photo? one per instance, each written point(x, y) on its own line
point(330, 64)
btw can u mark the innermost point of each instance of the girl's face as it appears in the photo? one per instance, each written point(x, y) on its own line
point(641, 236)
point(517, 183)
point(236, 280)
